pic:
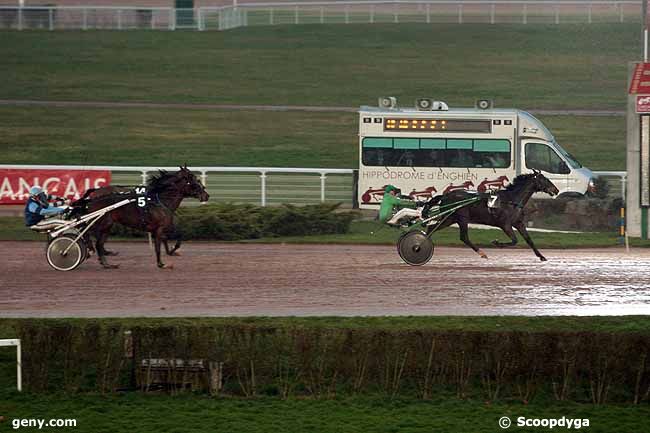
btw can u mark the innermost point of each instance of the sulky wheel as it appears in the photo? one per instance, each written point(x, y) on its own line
point(63, 260)
point(415, 248)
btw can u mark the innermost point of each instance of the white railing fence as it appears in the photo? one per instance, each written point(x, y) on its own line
point(272, 185)
point(341, 12)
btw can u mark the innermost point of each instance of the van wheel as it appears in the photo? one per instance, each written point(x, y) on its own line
point(570, 196)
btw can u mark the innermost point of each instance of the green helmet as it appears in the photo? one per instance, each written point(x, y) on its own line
point(389, 188)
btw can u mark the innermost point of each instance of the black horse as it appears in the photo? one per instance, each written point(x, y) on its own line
point(507, 213)
point(152, 211)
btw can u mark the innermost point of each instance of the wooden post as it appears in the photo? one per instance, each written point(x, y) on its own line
point(216, 377)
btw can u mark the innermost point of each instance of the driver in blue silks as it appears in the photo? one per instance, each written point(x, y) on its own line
point(38, 206)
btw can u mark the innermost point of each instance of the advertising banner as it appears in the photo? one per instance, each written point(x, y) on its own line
point(15, 183)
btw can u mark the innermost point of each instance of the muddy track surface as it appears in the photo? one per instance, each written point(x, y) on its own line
point(216, 279)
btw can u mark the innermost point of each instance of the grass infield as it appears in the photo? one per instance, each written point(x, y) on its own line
point(529, 66)
point(167, 137)
point(188, 413)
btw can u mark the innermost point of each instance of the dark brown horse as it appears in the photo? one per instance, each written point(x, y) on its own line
point(152, 210)
point(507, 213)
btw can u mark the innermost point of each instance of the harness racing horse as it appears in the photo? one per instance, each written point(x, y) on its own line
point(153, 211)
point(509, 213)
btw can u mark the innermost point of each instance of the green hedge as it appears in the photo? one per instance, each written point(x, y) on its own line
point(228, 222)
point(260, 359)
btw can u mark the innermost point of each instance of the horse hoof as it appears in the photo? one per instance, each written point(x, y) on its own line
point(111, 253)
point(482, 254)
point(110, 266)
point(543, 259)
point(164, 266)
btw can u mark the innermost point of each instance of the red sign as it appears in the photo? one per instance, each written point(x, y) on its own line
point(640, 79)
point(643, 104)
point(15, 183)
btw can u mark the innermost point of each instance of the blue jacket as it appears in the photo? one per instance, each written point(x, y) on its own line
point(35, 211)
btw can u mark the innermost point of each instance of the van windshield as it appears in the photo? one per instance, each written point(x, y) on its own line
point(573, 162)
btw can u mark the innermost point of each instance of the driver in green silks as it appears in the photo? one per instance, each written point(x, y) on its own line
point(408, 208)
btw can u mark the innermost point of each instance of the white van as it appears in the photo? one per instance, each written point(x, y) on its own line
point(433, 149)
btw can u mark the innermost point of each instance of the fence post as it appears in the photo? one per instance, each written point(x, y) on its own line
point(20, 18)
point(85, 19)
point(204, 178)
point(263, 178)
point(492, 10)
point(153, 19)
point(372, 14)
point(396, 13)
point(295, 11)
point(620, 12)
point(525, 14)
point(199, 12)
point(322, 15)
point(144, 177)
point(119, 19)
point(460, 13)
point(557, 14)
point(271, 16)
point(355, 189)
point(428, 13)
point(19, 367)
point(347, 14)
point(51, 18)
point(172, 19)
point(322, 187)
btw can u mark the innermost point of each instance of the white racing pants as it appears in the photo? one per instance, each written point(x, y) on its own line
point(405, 214)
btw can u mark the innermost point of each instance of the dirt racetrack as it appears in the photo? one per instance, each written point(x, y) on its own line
point(217, 279)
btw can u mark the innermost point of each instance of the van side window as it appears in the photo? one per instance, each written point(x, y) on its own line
point(542, 157)
point(436, 152)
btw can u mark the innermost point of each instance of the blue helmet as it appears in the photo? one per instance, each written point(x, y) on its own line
point(35, 191)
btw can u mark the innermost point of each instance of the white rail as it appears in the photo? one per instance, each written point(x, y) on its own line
point(19, 362)
point(313, 12)
point(345, 192)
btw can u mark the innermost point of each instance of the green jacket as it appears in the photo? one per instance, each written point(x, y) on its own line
point(389, 202)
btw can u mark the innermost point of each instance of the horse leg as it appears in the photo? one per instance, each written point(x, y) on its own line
point(172, 252)
point(507, 229)
point(101, 252)
point(174, 235)
point(159, 238)
point(521, 228)
point(89, 243)
point(464, 236)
